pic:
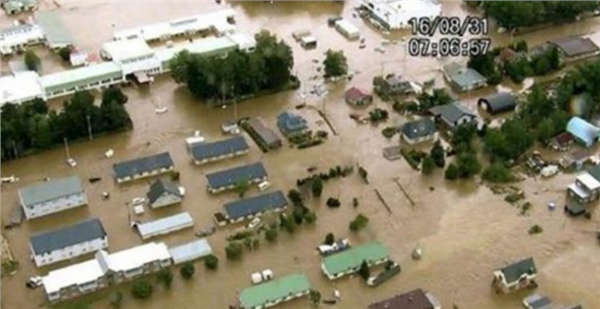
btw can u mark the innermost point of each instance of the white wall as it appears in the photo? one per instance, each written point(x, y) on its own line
point(165, 200)
point(50, 207)
point(70, 252)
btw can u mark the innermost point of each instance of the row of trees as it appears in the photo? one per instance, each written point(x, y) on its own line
point(32, 126)
point(238, 74)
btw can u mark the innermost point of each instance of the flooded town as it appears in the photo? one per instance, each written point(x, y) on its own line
point(343, 154)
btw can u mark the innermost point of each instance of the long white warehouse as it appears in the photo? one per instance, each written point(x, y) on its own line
point(165, 225)
point(395, 14)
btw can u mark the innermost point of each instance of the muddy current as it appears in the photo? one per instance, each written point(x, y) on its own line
point(465, 230)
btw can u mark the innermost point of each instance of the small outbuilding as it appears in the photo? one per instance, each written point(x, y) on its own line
point(584, 132)
point(452, 114)
point(357, 98)
point(498, 103)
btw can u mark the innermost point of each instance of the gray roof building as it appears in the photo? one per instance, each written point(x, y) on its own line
point(229, 177)
point(211, 151)
point(160, 187)
point(575, 46)
point(536, 301)
point(51, 190)
point(595, 172)
point(56, 32)
point(498, 103)
point(258, 204)
point(142, 165)
point(419, 128)
point(416, 299)
point(462, 77)
point(81, 232)
point(513, 272)
point(261, 134)
point(452, 113)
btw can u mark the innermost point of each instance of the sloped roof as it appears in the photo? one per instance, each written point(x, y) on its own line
point(83, 231)
point(50, 190)
point(595, 172)
point(499, 102)
point(451, 112)
point(583, 130)
point(273, 290)
point(419, 128)
point(161, 186)
point(56, 32)
point(290, 122)
point(354, 94)
point(575, 46)
point(231, 176)
point(353, 257)
point(416, 299)
point(141, 165)
point(203, 151)
point(514, 271)
point(190, 251)
point(253, 205)
point(536, 301)
point(462, 76)
point(165, 225)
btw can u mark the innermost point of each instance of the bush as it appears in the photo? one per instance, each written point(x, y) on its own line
point(295, 196)
point(329, 239)
point(175, 176)
point(354, 202)
point(451, 172)
point(536, 229)
point(364, 271)
point(498, 173)
point(438, 154)
point(234, 251)
point(310, 217)
point(187, 270)
point(166, 277)
point(298, 214)
point(141, 289)
point(271, 235)
point(211, 262)
point(317, 187)
point(32, 61)
point(427, 165)
point(363, 174)
point(333, 202)
point(65, 53)
point(358, 223)
point(389, 132)
point(116, 298)
point(288, 223)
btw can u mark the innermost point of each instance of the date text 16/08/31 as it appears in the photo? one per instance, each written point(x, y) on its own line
point(448, 25)
point(454, 47)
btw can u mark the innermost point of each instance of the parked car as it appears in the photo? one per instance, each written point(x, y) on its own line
point(138, 200)
point(254, 223)
point(264, 185)
point(34, 282)
point(71, 162)
point(338, 246)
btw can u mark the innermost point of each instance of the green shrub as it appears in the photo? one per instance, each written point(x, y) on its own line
point(451, 172)
point(142, 289)
point(187, 270)
point(211, 262)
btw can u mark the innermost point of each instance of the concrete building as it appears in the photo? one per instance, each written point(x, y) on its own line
point(45, 198)
point(576, 48)
point(452, 114)
point(515, 276)
point(68, 242)
point(416, 299)
point(291, 124)
point(463, 78)
point(95, 76)
point(348, 262)
point(228, 179)
point(143, 167)
point(55, 31)
point(135, 58)
point(274, 292)
point(17, 6)
point(266, 138)
point(20, 87)
point(104, 270)
point(203, 153)
point(419, 131)
point(255, 206)
point(190, 251)
point(347, 29)
point(585, 189)
point(395, 14)
point(163, 193)
point(165, 225)
point(19, 37)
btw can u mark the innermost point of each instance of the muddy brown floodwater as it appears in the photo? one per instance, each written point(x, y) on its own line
point(465, 230)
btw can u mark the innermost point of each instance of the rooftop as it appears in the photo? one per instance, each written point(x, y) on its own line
point(589, 181)
point(583, 130)
point(289, 122)
point(575, 46)
point(419, 128)
point(353, 257)
point(56, 32)
point(499, 102)
point(133, 258)
point(207, 46)
point(536, 301)
point(50, 190)
point(462, 76)
point(274, 290)
point(249, 206)
point(67, 79)
point(267, 135)
point(78, 274)
point(204, 151)
point(595, 172)
point(513, 272)
point(225, 178)
point(354, 94)
point(190, 251)
point(165, 225)
point(451, 112)
point(416, 299)
point(127, 49)
point(142, 165)
point(48, 241)
point(19, 87)
point(161, 186)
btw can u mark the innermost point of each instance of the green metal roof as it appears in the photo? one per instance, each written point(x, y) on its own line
point(206, 47)
point(55, 31)
point(51, 190)
point(352, 258)
point(273, 290)
point(78, 77)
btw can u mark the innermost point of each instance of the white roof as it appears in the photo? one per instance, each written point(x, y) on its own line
point(77, 274)
point(347, 26)
point(589, 181)
point(579, 191)
point(395, 12)
point(127, 49)
point(165, 225)
point(138, 256)
point(242, 40)
point(308, 39)
point(20, 34)
point(190, 251)
point(20, 87)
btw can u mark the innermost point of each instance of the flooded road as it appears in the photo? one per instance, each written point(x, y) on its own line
point(466, 232)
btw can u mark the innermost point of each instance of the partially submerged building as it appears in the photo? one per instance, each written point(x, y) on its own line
point(347, 29)
point(19, 37)
point(203, 153)
point(356, 97)
point(585, 189)
point(266, 138)
point(163, 193)
point(105, 269)
point(274, 292)
point(395, 14)
point(584, 132)
point(416, 299)
point(348, 262)
point(228, 179)
point(135, 58)
point(575, 48)
point(452, 114)
point(57, 35)
point(498, 103)
point(68, 242)
point(94, 76)
point(45, 198)
point(291, 124)
point(190, 251)
point(419, 131)
point(17, 6)
point(20, 87)
point(515, 276)
point(165, 225)
point(463, 78)
point(143, 167)
point(251, 207)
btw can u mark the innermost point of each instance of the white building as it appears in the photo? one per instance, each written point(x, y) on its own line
point(165, 225)
point(190, 251)
point(20, 87)
point(68, 242)
point(134, 56)
point(53, 196)
point(96, 76)
point(19, 37)
point(395, 14)
point(585, 189)
point(347, 29)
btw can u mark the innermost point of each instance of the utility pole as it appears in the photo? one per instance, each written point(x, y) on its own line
point(67, 148)
point(89, 127)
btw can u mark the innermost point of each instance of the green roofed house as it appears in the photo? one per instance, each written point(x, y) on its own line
point(274, 292)
point(349, 261)
point(89, 77)
point(515, 276)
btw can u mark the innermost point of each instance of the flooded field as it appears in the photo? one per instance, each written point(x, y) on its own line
point(465, 230)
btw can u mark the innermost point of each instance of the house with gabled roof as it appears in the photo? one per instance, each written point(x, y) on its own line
point(164, 192)
point(415, 299)
point(515, 276)
point(463, 78)
point(143, 167)
point(419, 131)
point(45, 198)
point(452, 114)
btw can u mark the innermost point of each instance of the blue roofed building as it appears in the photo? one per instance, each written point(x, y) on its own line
point(255, 206)
point(584, 132)
point(291, 124)
point(209, 152)
point(143, 167)
point(228, 179)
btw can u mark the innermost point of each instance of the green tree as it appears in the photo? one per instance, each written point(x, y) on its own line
point(315, 297)
point(187, 270)
point(211, 261)
point(335, 63)
point(427, 165)
point(141, 289)
point(521, 46)
point(358, 223)
point(329, 239)
point(165, 276)
point(234, 251)
point(497, 173)
point(288, 223)
point(317, 187)
point(32, 61)
point(364, 271)
point(114, 94)
point(451, 172)
point(271, 235)
point(116, 299)
point(310, 217)
point(65, 53)
point(295, 196)
point(241, 187)
point(438, 154)
point(468, 164)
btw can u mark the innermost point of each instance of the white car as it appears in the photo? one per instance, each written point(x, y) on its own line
point(138, 200)
point(34, 282)
point(254, 223)
point(71, 162)
point(264, 185)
